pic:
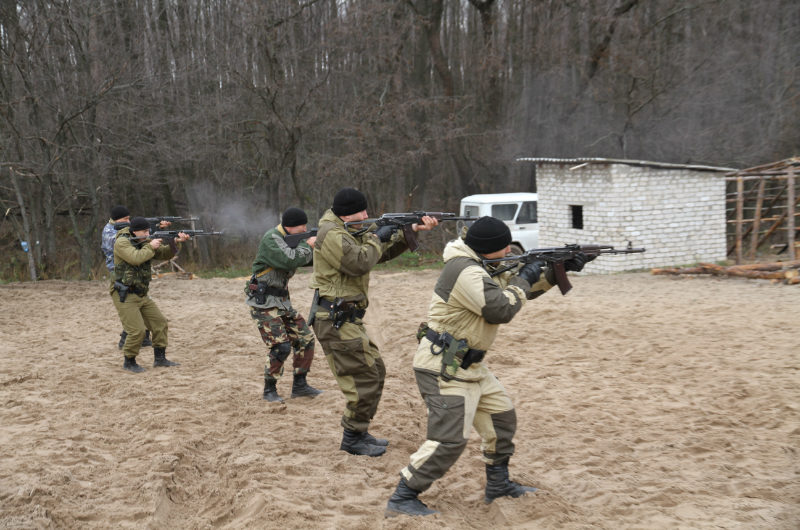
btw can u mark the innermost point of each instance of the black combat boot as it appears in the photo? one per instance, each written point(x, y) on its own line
point(354, 443)
point(270, 392)
point(499, 485)
point(375, 441)
point(147, 340)
point(301, 388)
point(160, 355)
point(131, 366)
point(122, 337)
point(404, 501)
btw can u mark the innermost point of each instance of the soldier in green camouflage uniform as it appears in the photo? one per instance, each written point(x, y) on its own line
point(342, 263)
point(133, 252)
point(282, 328)
point(468, 306)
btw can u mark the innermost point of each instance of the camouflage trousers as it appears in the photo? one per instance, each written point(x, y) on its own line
point(279, 327)
point(138, 314)
point(357, 366)
point(454, 408)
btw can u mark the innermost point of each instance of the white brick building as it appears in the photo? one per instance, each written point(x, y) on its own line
point(676, 212)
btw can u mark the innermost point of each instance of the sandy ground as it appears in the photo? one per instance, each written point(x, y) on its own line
point(642, 401)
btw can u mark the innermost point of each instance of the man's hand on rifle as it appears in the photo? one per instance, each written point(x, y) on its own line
point(311, 240)
point(164, 224)
point(428, 224)
point(530, 272)
point(384, 233)
point(577, 262)
point(183, 236)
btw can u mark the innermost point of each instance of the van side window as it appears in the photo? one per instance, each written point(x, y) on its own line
point(471, 211)
point(527, 214)
point(504, 212)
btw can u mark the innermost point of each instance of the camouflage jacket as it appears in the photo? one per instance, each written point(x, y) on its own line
point(107, 243)
point(132, 260)
point(470, 304)
point(342, 261)
point(276, 263)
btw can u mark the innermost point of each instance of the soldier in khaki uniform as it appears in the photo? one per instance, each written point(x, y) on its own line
point(342, 263)
point(282, 328)
point(467, 307)
point(133, 252)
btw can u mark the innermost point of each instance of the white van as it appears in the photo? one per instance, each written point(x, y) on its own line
point(518, 210)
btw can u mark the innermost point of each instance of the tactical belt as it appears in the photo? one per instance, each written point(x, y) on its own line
point(347, 307)
point(341, 312)
point(130, 289)
point(442, 340)
point(275, 291)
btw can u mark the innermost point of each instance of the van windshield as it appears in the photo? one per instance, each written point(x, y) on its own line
point(504, 212)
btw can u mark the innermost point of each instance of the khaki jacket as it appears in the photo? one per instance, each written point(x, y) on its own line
point(132, 260)
point(342, 261)
point(470, 305)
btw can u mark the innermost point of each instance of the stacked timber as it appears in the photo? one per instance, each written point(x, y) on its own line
point(779, 272)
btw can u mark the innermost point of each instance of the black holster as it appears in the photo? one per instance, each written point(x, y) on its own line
point(122, 290)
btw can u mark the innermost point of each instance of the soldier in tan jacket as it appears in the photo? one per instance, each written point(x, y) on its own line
point(343, 259)
point(133, 253)
point(460, 391)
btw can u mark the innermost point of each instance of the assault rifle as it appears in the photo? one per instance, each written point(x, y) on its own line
point(292, 240)
point(172, 234)
point(403, 221)
point(157, 220)
point(556, 256)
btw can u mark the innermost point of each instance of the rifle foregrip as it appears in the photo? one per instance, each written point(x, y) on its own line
point(411, 237)
point(561, 277)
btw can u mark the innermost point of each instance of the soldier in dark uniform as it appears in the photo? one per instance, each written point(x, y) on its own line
point(282, 328)
point(133, 253)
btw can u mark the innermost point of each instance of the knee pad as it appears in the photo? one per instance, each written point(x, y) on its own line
point(281, 351)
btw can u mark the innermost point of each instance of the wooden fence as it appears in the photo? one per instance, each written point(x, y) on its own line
point(762, 209)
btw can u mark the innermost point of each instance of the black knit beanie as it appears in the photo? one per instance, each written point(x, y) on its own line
point(487, 235)
point(139, 223)
point(348, 201)
point(294, 217)
point(118, 212)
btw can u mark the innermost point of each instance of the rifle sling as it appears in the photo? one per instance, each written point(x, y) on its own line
point(262, 273)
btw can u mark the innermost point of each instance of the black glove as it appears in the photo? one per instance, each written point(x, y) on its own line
point(577, 262)
point(530, 272)
point(384, 233)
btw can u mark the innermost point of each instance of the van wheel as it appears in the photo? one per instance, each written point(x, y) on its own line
point(516, 249)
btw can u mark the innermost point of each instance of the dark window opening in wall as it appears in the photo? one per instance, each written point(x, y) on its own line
point(577, 216)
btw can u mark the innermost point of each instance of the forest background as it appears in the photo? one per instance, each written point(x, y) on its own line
point(232, 111)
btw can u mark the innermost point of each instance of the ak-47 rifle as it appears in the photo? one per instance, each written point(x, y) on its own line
point(556, 256)
point(168, 235)
point(403, 221)
point(292, 240)
point(169, 219)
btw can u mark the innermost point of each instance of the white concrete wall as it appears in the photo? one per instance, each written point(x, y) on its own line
point(678, 215)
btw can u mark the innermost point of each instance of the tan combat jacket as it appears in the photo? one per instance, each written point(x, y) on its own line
point(470, 305)
point(342, 261)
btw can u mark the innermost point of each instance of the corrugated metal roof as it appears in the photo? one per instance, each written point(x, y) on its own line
point(646, 163)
